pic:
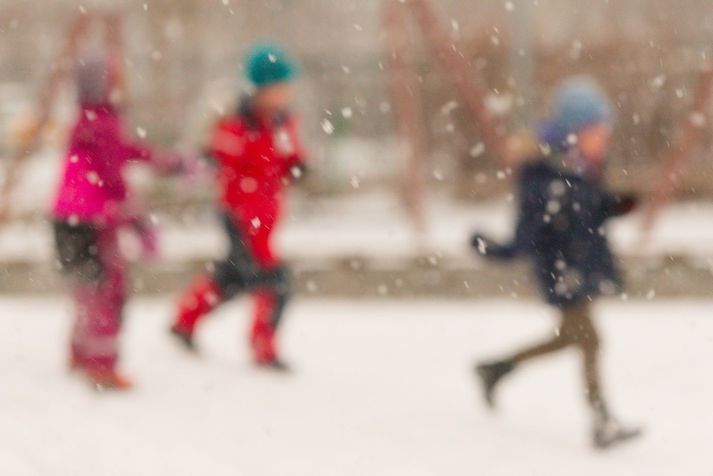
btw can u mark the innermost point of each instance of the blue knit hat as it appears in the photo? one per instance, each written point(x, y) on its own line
point(577, 103)
point(267, 64)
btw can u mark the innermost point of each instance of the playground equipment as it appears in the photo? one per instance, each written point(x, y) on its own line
point(110, 22)
point(407, 100)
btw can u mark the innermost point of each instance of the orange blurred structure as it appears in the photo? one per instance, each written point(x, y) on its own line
point(689, 137)
point(406, 97)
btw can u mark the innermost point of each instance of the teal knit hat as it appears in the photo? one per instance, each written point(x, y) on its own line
point(267, 64)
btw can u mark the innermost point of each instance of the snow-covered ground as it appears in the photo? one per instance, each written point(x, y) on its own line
point(381, 388)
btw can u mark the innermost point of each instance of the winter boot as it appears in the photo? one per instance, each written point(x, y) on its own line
point(265, 357)
point(202, 297)
point(262, 337)
point(275, 363)
point(264, 352)
point(103, 379)
point(184, 338)
point(490, 374)
point(74, 361)
point(608, 432)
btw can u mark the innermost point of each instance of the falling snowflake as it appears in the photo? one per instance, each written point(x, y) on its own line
point(327, 126)
point(482, 246)
point(658, 81)
point(93, 178)
point(477, 150)
point(698, 119)
point(449, 107)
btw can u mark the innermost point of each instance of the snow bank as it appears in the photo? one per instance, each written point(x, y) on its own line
point(381, 388)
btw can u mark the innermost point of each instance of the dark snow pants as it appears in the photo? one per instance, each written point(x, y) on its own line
point(91, 258)
point(576, 330)
point(240, 272)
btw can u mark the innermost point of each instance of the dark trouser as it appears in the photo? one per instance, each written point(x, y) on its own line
point(238, 273)
point(91, 258)
point(576, 329)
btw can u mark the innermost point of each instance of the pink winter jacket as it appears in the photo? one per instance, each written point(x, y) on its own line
point(92, 188)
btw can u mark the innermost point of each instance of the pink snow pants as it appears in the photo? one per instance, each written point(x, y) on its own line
point(99, 307)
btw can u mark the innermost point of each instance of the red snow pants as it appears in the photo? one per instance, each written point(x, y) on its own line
point(99, 304)
point(249, 267)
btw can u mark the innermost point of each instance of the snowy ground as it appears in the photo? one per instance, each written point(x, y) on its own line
point(381, 388)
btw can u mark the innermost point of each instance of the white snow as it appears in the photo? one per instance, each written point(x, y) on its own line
point(370, 223)
point(374, 225)
point(381, 388)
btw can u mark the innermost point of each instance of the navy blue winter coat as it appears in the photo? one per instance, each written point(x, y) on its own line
point(561, 227)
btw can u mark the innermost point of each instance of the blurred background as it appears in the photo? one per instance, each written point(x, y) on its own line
point(182, 61)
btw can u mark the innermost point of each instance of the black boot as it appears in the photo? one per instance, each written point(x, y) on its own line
point(276, 365)
point(490, 374)
point(607, 431)
point(185, 339)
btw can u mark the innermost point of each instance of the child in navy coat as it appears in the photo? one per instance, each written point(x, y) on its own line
point(561, 229)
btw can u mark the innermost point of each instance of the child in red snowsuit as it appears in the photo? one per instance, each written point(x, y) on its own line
point(91, 206)
point(257, 152)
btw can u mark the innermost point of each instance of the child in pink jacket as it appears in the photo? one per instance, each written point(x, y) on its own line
point(92, 204)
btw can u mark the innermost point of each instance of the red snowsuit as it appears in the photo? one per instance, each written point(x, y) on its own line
point(89, 210)
point(256, 158)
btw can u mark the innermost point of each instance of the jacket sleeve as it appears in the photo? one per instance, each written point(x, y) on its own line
point(614, 205)
point(226, 144)
point(529, 223)
point(227, 147)
point(126, 148)
point(105, 136)
point(295, 162)
point(135, 150)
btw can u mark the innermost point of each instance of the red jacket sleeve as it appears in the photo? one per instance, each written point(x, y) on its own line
point(228, 144)
point(134, 150)
point(104, 133)
point(296, 157)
